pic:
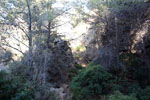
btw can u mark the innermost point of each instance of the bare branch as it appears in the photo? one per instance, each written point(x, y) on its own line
point(16, 25)
point(61, 13)
point(20, 41)
point(59, 25)
point(8, 45)
point(76, 37)
point(17, 39)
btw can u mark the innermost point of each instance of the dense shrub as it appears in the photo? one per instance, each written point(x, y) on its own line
point(144, 94)
point(133, 88)
point(5, 56)
point(18, 68)
point(116, 87)
point(119, 96)
point(129, 59)
point(13, 88)
point(91, 82)
point(43, 92)
point(74, 71)
point(135, 68)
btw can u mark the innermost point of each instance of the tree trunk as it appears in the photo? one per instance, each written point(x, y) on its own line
point(46, 59)
point(117, 42)
point(30, 63)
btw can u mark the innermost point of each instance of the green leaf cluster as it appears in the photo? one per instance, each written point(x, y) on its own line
point(13, 88)
point(144, 94)
point(91, 81)
point(119, 96)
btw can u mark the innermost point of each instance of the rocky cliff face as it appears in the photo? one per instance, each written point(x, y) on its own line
point(59, 61)
point(124, 31)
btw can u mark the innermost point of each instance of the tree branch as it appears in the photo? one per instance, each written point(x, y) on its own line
point(8, 45)
point(59, 25)
point(16, 25)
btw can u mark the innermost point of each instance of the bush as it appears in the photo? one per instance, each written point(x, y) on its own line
point(133, 88)
point(18, 68)
point(13, 88)
point(91, 82)
point(135, 69)
point(119, 96)
point(43, 92)
point(74, 71)
point(116, 87)
point(5, 56)
point(144, 94)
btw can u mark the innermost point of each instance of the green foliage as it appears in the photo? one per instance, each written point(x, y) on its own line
point(91, 82)
point(78, 66)
point(19, 68)
point(116, 87)
point(119, 96)
point(74, 71)
point(133, 88)
point(134, 68)
point(116, 4)
point(129, 59)
point(144, 94)
point(13, 88)
point(5, 56)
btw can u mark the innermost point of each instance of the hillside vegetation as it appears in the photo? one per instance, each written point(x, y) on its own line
point(41, 57)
